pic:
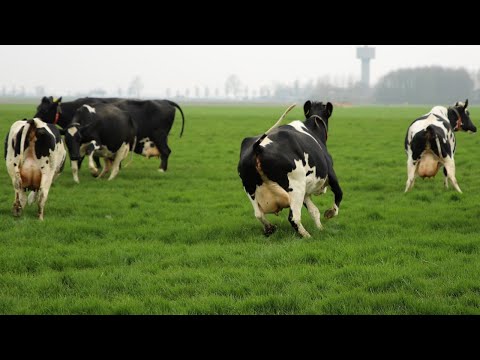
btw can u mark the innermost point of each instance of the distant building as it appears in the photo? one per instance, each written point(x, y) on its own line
point(365, 54)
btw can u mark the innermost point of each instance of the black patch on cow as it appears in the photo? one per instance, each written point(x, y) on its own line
point(46, 162)
point(427, 139)
point(309, 172)
point(45, 143)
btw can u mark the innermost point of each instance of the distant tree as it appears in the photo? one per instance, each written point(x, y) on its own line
point(119, 92)
point(136, 86)
point(187, 92)
point(217, 92)
point(168, 92)
point(197, 92)
point(424, 85)
point(232, 85)
point(40, 91)
point(206, 92)
point(97, 92)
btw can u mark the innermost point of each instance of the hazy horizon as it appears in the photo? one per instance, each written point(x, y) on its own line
point(68, 69)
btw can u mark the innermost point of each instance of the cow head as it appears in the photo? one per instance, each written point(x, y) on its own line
point(48, 109)
point(461, 120)
point(317, 115)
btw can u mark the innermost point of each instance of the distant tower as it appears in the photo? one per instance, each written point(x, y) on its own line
point(365, 54)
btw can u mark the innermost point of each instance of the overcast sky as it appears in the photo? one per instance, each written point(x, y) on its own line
point(64, 69)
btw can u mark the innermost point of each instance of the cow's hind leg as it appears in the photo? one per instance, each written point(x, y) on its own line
point(450, 169)
point(313, 211)
point(295, 216)
point(268, 228)
point(20, 202)
point(160, 140)
point(445, 180)
point(411, 168)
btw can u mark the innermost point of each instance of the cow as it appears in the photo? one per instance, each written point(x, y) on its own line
point(430, 143)
point(153, 118)
point(35, 156)
point(288, 164)
point(103, 130)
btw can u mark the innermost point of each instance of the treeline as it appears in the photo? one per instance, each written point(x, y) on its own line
point(425, 85)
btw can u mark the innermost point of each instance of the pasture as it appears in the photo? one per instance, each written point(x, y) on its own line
point(187, 242)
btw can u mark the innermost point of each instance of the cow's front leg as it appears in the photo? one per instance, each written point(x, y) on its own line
point(90, 151)
point(106, 167)
point(450, 169)
point(337, 191)
point(313, 211)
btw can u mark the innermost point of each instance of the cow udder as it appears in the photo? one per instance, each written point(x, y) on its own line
point(428, 165)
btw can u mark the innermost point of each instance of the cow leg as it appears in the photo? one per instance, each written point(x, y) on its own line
point(337, 192)
point(445, 181)
point(297, 196)
point(106, 167)
point(20, 202)
point(450, 169)
point(411, 168)
point(43, 193)
point(268, 228)
point(313, 211)
point(121, 154)
point(160, 141)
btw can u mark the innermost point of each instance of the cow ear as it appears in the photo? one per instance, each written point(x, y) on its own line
point(306, 107)
point(329, 109)
point(59, 100)
point(44, 99)
point(456, 104)
point(466, 104)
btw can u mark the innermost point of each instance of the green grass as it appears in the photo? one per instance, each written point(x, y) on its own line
point(187, 242)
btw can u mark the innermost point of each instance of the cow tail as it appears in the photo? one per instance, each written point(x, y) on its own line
point(257, 143)
point(430, 135)
point(181, 112)
point(25, 131)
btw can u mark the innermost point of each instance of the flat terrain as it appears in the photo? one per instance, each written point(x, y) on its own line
point(187, 242)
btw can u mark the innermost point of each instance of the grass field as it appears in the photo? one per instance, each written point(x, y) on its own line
point(187, 242)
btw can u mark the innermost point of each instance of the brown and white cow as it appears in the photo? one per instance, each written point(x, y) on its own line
point(35, 156)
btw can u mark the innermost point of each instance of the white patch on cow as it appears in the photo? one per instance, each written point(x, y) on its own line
point(120, 155)
point(72, 130)
point(149, 148)
point(265, 142)
point(300, 127)
point(90, 109)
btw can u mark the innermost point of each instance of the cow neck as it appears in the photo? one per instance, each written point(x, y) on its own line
point(319, 120)
point(454, 115)
point(66, 115)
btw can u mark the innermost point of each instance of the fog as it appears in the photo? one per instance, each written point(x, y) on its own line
point(197, 70)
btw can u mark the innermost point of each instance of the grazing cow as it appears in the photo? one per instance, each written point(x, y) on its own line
point(103, 130)
point(153, 118)
point(35, 156)
point(430, 143)
point(287, 164)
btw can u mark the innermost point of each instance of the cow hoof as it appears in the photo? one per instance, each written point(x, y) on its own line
point(269, 230)
point(330, 213)
point(17, 211)
point(161, 170)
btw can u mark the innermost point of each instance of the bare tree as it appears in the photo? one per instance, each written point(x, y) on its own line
point(168, 92)
point(136, 86)
point(40, 90)
point(207, 92)
point(232, 85)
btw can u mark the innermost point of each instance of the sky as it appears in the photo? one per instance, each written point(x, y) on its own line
point(69, 69)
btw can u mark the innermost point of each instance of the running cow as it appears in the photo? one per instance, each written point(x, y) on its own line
point(430, 143)
point(102, 130)
point(153, 120)
point(35, 156)
point(288, 164)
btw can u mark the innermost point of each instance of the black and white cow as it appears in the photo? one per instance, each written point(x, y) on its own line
point(103, 130)
point(430, 143)
point(35, 156)
point(153, 118)
point(288, 164)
